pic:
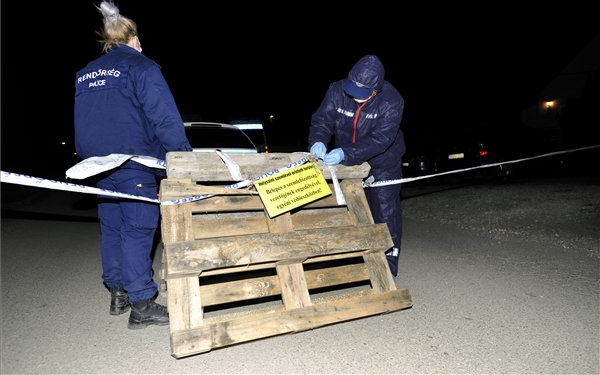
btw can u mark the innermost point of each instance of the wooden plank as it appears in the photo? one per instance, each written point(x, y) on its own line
point(294, 290)
point(188, 258)
point(175, 188)
point(176, 222)
point(356, 200)
point(245, 202)
point(379, 271)
point(184, 304)
point(208, 166)
point(280, 224)
point(183, 297)
point(229, 224)
point(262, 266)
point(228, 203)
point(265, 286)
point(273, 321)
point(321, 218)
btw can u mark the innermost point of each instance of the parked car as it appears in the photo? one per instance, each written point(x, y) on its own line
point(210, 136)
point(255, 130)
point(419, 164)
point(464, 155)
point(453, 155)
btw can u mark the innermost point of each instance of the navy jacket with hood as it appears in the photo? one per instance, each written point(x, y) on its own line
point(378, 139)
point(123, 105)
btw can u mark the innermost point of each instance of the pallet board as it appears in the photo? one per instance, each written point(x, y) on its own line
point(232, 274)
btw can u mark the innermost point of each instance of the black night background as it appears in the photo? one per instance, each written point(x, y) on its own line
point(461, 68)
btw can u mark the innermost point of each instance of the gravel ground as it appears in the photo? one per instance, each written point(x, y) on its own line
point(564, 212)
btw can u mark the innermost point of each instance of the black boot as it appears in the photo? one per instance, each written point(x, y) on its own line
point(119, 301)
point(392, 258)
point(148, 312)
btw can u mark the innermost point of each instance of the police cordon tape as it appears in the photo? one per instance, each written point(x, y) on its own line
point(92, 166)
point(21, 179)
point(369, 182)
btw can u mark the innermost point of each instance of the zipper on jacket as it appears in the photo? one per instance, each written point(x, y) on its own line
point(357, 114)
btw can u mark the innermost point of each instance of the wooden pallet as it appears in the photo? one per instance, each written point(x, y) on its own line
point(233, 274)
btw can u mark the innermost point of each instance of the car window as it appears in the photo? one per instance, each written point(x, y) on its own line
point(210, 136)
point(255, 131)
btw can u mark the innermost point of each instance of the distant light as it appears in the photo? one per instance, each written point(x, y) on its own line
point(271, 117)
point(550, 104)
point(460, 155)
point(248, 126)
point(63, 143)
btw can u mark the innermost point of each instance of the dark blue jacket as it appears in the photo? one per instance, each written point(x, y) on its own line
point(379, 140)
point(123, 105)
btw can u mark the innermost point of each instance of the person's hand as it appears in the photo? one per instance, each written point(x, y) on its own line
point(318, 150)
point(336, 156)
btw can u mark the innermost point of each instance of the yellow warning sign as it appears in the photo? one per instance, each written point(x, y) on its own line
point(295, 187)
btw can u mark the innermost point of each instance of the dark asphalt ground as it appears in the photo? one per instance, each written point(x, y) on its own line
point(504, 278)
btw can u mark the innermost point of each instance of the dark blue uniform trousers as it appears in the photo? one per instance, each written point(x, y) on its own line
point(385, 205)
point(127, 228)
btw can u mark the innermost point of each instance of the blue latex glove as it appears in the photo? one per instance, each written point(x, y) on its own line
point(336, 156)
point(318, 150)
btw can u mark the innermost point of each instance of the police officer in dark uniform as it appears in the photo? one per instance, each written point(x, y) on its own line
point(124, 106)
point(363, 114)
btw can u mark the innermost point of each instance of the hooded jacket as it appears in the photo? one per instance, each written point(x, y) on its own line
point(123, 105)
point(377, 138)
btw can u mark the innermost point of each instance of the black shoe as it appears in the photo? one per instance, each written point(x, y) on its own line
point(145, 313)
point(119, 301)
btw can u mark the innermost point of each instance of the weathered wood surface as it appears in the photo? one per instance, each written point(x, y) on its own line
point(182, 188)
point(265, 286)
point(183, 299)
point(276, 320)
point(225, 251)
point(189, 258)
point(226, 199)
point(208, 166)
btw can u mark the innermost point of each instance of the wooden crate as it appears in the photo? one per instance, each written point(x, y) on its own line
point(232, 274)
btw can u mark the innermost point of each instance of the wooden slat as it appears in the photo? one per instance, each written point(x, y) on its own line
point(245, 202)
point(294, 291)
point(356, 200)
point(229, 224)
point(176, 223)
point(273, 321)
point(380, 276)
point(188, 258)
point(266, 265)
point(183, 297)
point(321, 218)
point(280, 224)
point(208, 166)
point(266, 286)
point(173, 189)
point(228, 203)
point(184, 304)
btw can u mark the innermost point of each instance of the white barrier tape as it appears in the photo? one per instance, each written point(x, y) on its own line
point(339, 195)
point(195, 198)
point(369, 182)
point(234, 169)
point(98, 164)
point(236, 185)
point(21, 179)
